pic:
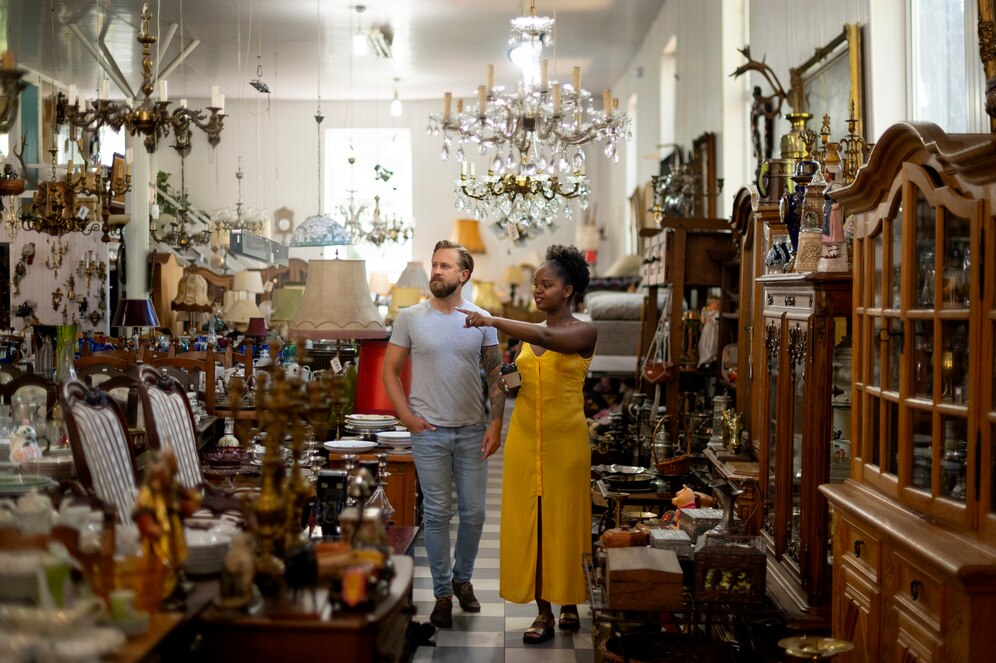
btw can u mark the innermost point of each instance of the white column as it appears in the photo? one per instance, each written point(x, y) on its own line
point(734, 144)
point(136, 233)
point(888, 55)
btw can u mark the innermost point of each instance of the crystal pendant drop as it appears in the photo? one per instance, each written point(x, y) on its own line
point(445, 153)
point(459, 155)
point(496, 164)
point(578, 160)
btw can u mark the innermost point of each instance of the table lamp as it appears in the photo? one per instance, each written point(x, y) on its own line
point(414, 276)
point(402, 297)
point(486, 297)
point(467, 232)
point(239, 314)
point(514, 276)
point(136, 313)
point(248, 281)
point(191, 296)
point(336, 303)
point(379, 285)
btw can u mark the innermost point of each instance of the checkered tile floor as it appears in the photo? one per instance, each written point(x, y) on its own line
point(493, 635)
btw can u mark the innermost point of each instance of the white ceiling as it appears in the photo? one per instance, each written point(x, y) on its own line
point(439, 45)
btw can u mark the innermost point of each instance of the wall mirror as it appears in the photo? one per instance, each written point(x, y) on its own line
point(829, 80)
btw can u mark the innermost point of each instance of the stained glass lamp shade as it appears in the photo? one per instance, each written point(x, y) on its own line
point(320, 230)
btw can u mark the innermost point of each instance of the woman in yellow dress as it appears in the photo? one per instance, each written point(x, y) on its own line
point(546, 503)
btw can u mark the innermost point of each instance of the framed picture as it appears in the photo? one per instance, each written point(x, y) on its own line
point(830, 80)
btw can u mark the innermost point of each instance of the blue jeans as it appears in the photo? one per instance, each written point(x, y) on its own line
point(443, 457)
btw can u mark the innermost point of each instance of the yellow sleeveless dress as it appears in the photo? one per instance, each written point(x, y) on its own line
point(547, 466)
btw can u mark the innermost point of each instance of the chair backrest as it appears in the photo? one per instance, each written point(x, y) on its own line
point(117, 377)
point(32, 386)
point(97, 367)
point(244, 360)
point(187, 368)
point(171, 422)
point(9, 372)
point(98, 436)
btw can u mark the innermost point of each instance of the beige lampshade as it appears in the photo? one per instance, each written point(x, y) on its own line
point(625, 266)
point(241, 311)
point(402, 297)
point(191, 293)
point(285, 302)
point(415, 276)
point(486, 297)
point(248, 281)
point(336, 303)
point(586, 238)
point(230, 297)
point(379, 284)
point(467, 232)
point(513, 275)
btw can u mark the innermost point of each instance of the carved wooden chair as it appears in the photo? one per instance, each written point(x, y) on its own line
point(98, 436)
point(187, 368)
point(171, 422)
point(32, 386)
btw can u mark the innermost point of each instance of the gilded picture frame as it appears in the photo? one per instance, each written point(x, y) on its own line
point(830, 80)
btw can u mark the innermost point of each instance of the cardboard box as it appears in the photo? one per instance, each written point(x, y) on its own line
point(642, 579)
point(672, 539)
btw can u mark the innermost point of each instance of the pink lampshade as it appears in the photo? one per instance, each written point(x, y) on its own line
point(257, 327)
point(135, 313)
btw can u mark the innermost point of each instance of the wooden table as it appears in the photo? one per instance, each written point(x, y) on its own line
point(290, 631)
point(402, 486)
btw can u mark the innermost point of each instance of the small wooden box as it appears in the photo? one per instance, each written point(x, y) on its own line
point(730, 569)
point(642, 579)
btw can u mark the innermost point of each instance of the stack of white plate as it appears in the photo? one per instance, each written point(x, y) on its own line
point(58, 468)
point(351, 446)
point(395, 438)
point(371, 423)
point(207, 542)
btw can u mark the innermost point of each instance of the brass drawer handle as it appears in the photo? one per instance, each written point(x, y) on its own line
point(789, 301)
point(915, 587)
point(857, 548)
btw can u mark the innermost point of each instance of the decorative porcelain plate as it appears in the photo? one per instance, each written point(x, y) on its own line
point(350, 446)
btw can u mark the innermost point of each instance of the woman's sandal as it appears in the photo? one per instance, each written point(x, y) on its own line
point(569, 619)
point(540, 631)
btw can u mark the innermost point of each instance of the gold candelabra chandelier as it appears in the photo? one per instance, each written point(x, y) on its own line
point(178, 235)
point(57, 208)
point(152, 119)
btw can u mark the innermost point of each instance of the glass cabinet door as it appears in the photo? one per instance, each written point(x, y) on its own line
point(772, 355)
point(797, 352)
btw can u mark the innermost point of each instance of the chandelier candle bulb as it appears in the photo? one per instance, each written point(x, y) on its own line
point(459, 107)
point(544, 73)
point(105, 88)
point(183, 103)
point(214, 96)
point(607, 101)
point(72, 94)
point(556, 99)
point(80, 102)
point(481, 100)
point(221, 104)
point(576, 79)
point(162, 92)
point(491, 77)
point(447, 100)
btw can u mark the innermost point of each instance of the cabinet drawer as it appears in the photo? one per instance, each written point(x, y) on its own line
point(918, 591)
point(860, 547)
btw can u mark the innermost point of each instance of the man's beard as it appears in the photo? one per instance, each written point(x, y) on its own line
point(441, 289)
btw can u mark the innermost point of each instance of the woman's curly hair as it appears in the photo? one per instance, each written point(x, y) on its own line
point(569, 264)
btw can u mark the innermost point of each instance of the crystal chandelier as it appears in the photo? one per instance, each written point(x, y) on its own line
point(381, 227)
point(249, 219)
point(149, 118)
point(179, 234)
point(534, 133)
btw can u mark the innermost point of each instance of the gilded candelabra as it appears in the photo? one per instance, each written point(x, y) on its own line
point(854, 147)
point(292, 408)
point(153, 119)
point(87, 267)
point(56, 256)
point(55, 210)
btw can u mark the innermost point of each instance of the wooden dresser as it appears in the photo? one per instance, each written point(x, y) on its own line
point(914, 527)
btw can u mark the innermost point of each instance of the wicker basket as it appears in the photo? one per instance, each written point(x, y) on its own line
point(675, 466)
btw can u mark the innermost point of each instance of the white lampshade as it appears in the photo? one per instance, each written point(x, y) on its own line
point(414, 276)
point(336, 303)
point(380, 284)
point(531, 260)
point(248, 281)
point(241, 311)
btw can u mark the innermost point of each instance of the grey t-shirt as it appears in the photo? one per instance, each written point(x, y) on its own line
point(446, 360)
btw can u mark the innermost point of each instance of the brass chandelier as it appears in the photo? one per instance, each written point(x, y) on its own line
point(153, 119)
point(57, 208)
point(179, 235)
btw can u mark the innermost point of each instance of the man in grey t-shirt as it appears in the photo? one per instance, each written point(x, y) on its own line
point(446, 416)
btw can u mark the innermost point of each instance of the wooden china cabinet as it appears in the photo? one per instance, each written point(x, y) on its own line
point(804, 318)
point(914, 527)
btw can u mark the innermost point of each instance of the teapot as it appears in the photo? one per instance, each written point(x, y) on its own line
point(298, 371)
point(32, 512)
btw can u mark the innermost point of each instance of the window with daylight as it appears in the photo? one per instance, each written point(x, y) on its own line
point(945, 87)
point(382, 167)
